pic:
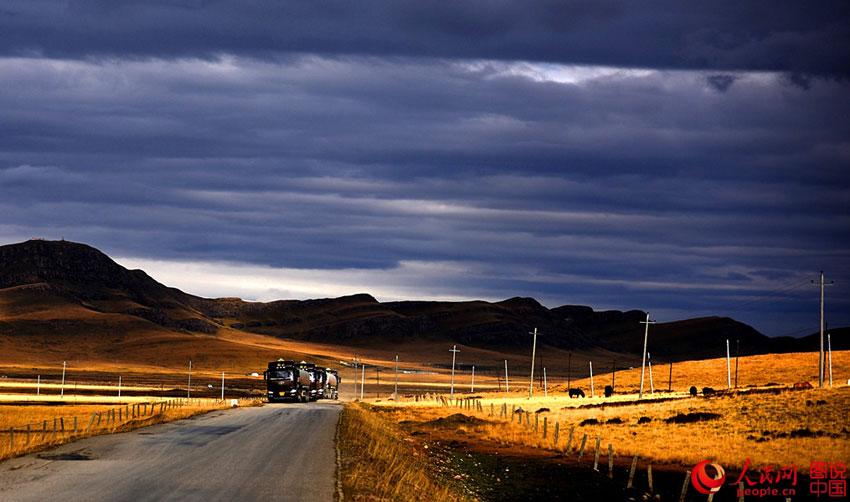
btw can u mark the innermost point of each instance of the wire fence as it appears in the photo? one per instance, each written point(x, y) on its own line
point(564, 441)
point(20, 438)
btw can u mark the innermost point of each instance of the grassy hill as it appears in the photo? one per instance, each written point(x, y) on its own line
point(61, 299)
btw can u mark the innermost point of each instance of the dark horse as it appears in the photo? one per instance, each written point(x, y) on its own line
point(576, 393)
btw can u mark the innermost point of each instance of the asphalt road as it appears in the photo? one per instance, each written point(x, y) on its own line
point(269, 453)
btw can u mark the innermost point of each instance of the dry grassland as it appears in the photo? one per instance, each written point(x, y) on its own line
point(769, 425)
point(379, 464)
point(28, 428)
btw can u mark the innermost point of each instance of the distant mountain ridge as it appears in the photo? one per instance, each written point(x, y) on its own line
point(76, 275)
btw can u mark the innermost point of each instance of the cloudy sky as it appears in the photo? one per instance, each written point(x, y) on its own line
point(688, 159)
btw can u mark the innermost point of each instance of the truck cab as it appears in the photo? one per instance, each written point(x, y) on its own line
point(286, 380)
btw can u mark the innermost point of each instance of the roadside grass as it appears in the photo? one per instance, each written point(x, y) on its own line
point(30, 428)
point(378, 463)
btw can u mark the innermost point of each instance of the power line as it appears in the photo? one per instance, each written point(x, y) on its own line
point(768, 296)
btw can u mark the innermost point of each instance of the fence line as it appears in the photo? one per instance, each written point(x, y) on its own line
point(24, 438)
point(474, 404)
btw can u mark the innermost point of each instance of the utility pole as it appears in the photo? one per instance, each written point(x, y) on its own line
point(362, 379)
point(472, 386)
point(540, 365)
point(189, 385)
point(613, 372)
point(119, 385)
point(737, 354)
point(728, 367)
point(545, 384)
point(670, 379)
point(454, 352)
point(645, 341)
point(591, 377)
point(354, 380)
point(533, 355)
point(222, 386)
point(822, 283)
point(649, 363)
point(62, 390)
point(829, 349)
point(507, 385)
point(395, 392)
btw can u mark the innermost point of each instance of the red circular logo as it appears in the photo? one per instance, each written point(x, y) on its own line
point(704, 482)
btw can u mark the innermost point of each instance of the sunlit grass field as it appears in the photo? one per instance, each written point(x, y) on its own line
point(27, 428)
point(769, 424)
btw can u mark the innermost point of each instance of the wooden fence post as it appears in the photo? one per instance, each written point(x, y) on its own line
point(491, 409)
point(545, 426)
point(632, 473)
point(43, 429)
point(610, 461)
point(28, 434)
point(536, 421)
point(91, 421)
point(685, 486)
point(555, 434)
point(649, 478)
point(75, 425)
point(54, 429)
point(581, 448)
point(62, 425)
point(569, 447)
point(596, 455)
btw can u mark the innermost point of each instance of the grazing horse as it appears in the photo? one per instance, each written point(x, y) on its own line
point(609, 391)
point(693, 391)
point(802, 386)
point(576, 393)
point(708, 391)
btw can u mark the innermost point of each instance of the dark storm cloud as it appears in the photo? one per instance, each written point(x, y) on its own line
point(801, 37)
point(690, 159)
point(720, 82)
point(617, 188)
